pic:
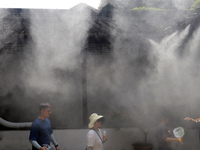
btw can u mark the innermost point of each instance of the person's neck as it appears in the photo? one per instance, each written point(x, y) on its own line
point(95, 128)
point(41, 117)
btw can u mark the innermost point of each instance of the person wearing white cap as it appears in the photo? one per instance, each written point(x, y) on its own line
point(95, 139)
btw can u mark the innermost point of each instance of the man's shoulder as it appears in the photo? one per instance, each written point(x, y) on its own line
point(36, 122)
point(47, 119)
point(160, 127)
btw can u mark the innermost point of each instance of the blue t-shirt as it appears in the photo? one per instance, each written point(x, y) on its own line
point(41, 131)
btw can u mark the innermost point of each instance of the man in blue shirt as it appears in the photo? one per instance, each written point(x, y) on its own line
point(41, 133)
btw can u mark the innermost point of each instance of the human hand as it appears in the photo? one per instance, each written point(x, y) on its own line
point(57, 148)
point(42, 148)
point(180, 139)
point(105, 138)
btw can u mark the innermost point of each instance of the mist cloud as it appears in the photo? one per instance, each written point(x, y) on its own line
point(143, 72)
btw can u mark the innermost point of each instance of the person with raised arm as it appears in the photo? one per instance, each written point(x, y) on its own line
point(191, 119)
point(163, 136)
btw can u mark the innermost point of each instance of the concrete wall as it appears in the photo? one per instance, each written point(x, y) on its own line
point(75, 139)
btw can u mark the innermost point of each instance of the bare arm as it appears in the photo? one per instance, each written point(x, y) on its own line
point(191, 119)
point(171, 139)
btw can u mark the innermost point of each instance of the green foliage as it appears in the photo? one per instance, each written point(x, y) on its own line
point(148, 8)
point(196, 5)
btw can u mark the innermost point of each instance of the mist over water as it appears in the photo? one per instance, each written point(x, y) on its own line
point(141, 76)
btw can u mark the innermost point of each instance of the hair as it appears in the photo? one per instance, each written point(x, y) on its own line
point(165, 114)
point(44, 106)
point(101, 119)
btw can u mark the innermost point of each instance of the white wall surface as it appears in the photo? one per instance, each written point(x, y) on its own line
point(75, 139)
